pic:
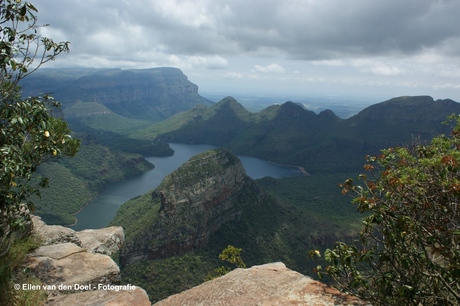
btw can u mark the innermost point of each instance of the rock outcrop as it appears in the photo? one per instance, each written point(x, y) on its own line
point(269, 284)
point(75, 267)
point(196, 200)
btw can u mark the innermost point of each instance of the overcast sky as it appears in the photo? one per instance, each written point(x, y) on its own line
point(376, 49)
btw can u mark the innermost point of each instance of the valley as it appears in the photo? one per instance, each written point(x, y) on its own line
point(177, 226)
point(104, 206)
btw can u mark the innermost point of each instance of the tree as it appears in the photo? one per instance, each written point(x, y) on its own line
point(29, 133)
point(231, 255)
point(409, 252)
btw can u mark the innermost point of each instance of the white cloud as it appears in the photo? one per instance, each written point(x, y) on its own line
point(272, 68)
point(233, 75)
point(377, 67)
point(333, 63)
point(207, 62)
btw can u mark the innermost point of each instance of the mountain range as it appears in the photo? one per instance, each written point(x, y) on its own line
point(290, 134)
point(175, 232)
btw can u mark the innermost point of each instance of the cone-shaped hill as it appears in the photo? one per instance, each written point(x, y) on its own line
point(199, 209)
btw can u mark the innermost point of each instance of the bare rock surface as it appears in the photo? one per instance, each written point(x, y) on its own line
point(75, 269)
point(57, 251)
point(104, 241)
point(136, 297)
point(269, 284)
point(52, 234)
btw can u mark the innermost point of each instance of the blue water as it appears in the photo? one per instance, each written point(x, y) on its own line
point(103, 208)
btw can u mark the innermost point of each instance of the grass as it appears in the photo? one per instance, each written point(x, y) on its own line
point(12, 271)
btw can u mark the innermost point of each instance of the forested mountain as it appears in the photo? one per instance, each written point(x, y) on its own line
point(147, 94)
point(102, 106)
point(291, 134)
point(175, 233)
point(180, 227)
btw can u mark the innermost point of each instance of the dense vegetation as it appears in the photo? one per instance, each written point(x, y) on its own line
point(319, 196)
point(74, 182)
point(281, 227)
point(409, 251)
point(29, 135)
point(290, 134)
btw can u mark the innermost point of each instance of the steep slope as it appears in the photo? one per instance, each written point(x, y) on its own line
point(191, 203)
point(290, 134)
point(399, 119)
point(149, 94)
point(75, 181)
point(175, 233)
point(217, 124)
point(283, 130)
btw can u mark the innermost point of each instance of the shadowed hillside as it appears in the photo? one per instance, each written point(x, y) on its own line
point(175, 233)
point(290, 134)
point(148, 94)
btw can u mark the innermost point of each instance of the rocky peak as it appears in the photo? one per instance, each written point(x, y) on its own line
point(196, 200)
point(202, 182)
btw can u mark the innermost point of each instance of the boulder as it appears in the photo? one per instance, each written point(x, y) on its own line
point(137, 297)
point(68, 264)
point(75, 269)
point(52, 234)
point(104, 241)
point(269, 284)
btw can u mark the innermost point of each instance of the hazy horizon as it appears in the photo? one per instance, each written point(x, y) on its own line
point(374, 48)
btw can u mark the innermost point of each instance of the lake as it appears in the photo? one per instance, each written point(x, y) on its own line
point(103, 208)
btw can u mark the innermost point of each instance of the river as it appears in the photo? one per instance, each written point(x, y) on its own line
point(103, 208)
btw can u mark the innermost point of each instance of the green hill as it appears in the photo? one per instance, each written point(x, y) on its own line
point(290, 134)
point(175, 233)
point(75, 181)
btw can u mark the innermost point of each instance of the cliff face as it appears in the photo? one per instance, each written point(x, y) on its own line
point(194, 201)
point(144, 94)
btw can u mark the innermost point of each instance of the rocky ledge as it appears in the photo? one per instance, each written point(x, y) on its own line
point(75, 267)
point(78, 265)
point(270, 284)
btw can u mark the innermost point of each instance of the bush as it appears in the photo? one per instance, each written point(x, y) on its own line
point(409, 251)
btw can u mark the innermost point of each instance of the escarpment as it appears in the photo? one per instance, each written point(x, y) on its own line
point(190, 204)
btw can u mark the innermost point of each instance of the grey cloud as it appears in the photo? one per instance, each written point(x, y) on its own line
point(310, 30)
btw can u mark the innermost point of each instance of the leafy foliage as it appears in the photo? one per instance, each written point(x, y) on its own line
point(409, 252)
point(29, 134)
point(231, 255)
